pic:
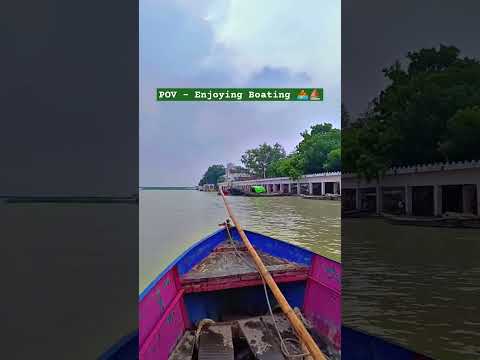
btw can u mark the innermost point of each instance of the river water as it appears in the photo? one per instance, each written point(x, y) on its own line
point(416, 286)
point(172, 220)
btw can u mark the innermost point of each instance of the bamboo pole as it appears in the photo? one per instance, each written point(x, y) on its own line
point(297, 324)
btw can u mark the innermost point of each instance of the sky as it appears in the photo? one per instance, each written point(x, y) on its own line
point(231, 43)
point(375, 33)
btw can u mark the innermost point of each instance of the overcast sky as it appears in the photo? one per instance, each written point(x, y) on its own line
point(222, 43)
point(375, 33)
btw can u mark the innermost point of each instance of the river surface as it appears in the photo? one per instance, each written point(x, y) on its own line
point(172, 220)
point(416, 286)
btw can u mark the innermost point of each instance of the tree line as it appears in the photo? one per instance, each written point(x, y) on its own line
point(318, 151)
point(428, 112)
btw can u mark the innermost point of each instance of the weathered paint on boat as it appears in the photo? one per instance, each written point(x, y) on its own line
point(165, 312)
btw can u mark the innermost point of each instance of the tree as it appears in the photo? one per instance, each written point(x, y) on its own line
point(463, 133)
point(260, 160)
point(290, 166)
point(315, 147)
point(424, 115)
point(334, 160)
point(212, 175)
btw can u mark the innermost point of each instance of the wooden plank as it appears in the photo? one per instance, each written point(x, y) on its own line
point(184, 348)
point(238, 282)
point(295, 347)
point(215, 342)
point(286, 331)
point(237, 270)
point(224, 261)
point(261, 342)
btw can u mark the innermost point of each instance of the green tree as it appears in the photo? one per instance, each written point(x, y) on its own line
point(212, 175)
point(334, 160)
point(315, 147)
point(463, 131)
point(421, 116)
point(259, 161)
point(290, 166)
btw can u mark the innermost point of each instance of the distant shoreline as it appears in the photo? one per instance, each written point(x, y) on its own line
point(71, 199)
point(168, 188)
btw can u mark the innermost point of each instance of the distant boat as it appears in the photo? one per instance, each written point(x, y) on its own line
point(210, 303)
point(453, 221)
point(322, 197)
point(268, 194)
point(236, 192)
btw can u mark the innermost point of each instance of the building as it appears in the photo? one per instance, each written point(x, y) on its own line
point(420, 190)
point(237, 173)
point(311, 184)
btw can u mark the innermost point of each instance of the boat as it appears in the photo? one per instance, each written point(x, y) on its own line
point(322, 197)
point(210, 303)
point(236, 192)
point(448, 220)
point(268, 194)
point(215, 283)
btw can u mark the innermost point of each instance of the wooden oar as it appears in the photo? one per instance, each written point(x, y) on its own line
point(297, 324)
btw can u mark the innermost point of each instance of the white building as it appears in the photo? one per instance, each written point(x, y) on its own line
point(422, 190)
point(312, 184)
point(236, 173)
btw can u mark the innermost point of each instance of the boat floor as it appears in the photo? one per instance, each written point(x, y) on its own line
point(250, 338)
point(227, 261)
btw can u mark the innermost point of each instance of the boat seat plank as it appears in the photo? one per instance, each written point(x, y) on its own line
point(287, 332)
point(260, 341)
point(184, 348)
point(215, 342)
point(225, 261)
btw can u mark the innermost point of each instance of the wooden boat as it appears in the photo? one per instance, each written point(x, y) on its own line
point(215, 279)
point(444, 221)
point(322, 197)
point(268, 194)
point(210, 303)
point(236, 192)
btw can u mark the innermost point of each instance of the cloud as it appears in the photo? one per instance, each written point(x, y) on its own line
point(230, 44)
point(304, 37)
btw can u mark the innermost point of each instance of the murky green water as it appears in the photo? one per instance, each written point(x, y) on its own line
point(417, 286)
point(171, 221)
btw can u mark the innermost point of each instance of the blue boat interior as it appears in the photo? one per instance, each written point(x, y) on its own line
point(229, 304)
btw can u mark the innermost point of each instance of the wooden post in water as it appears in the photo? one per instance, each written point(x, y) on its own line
point(297, 324)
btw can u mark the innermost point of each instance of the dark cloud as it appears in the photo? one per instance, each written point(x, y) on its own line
point(270, 76)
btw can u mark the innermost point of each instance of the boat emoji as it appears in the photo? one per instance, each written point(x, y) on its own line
point(315, 95)
point(302, 95)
